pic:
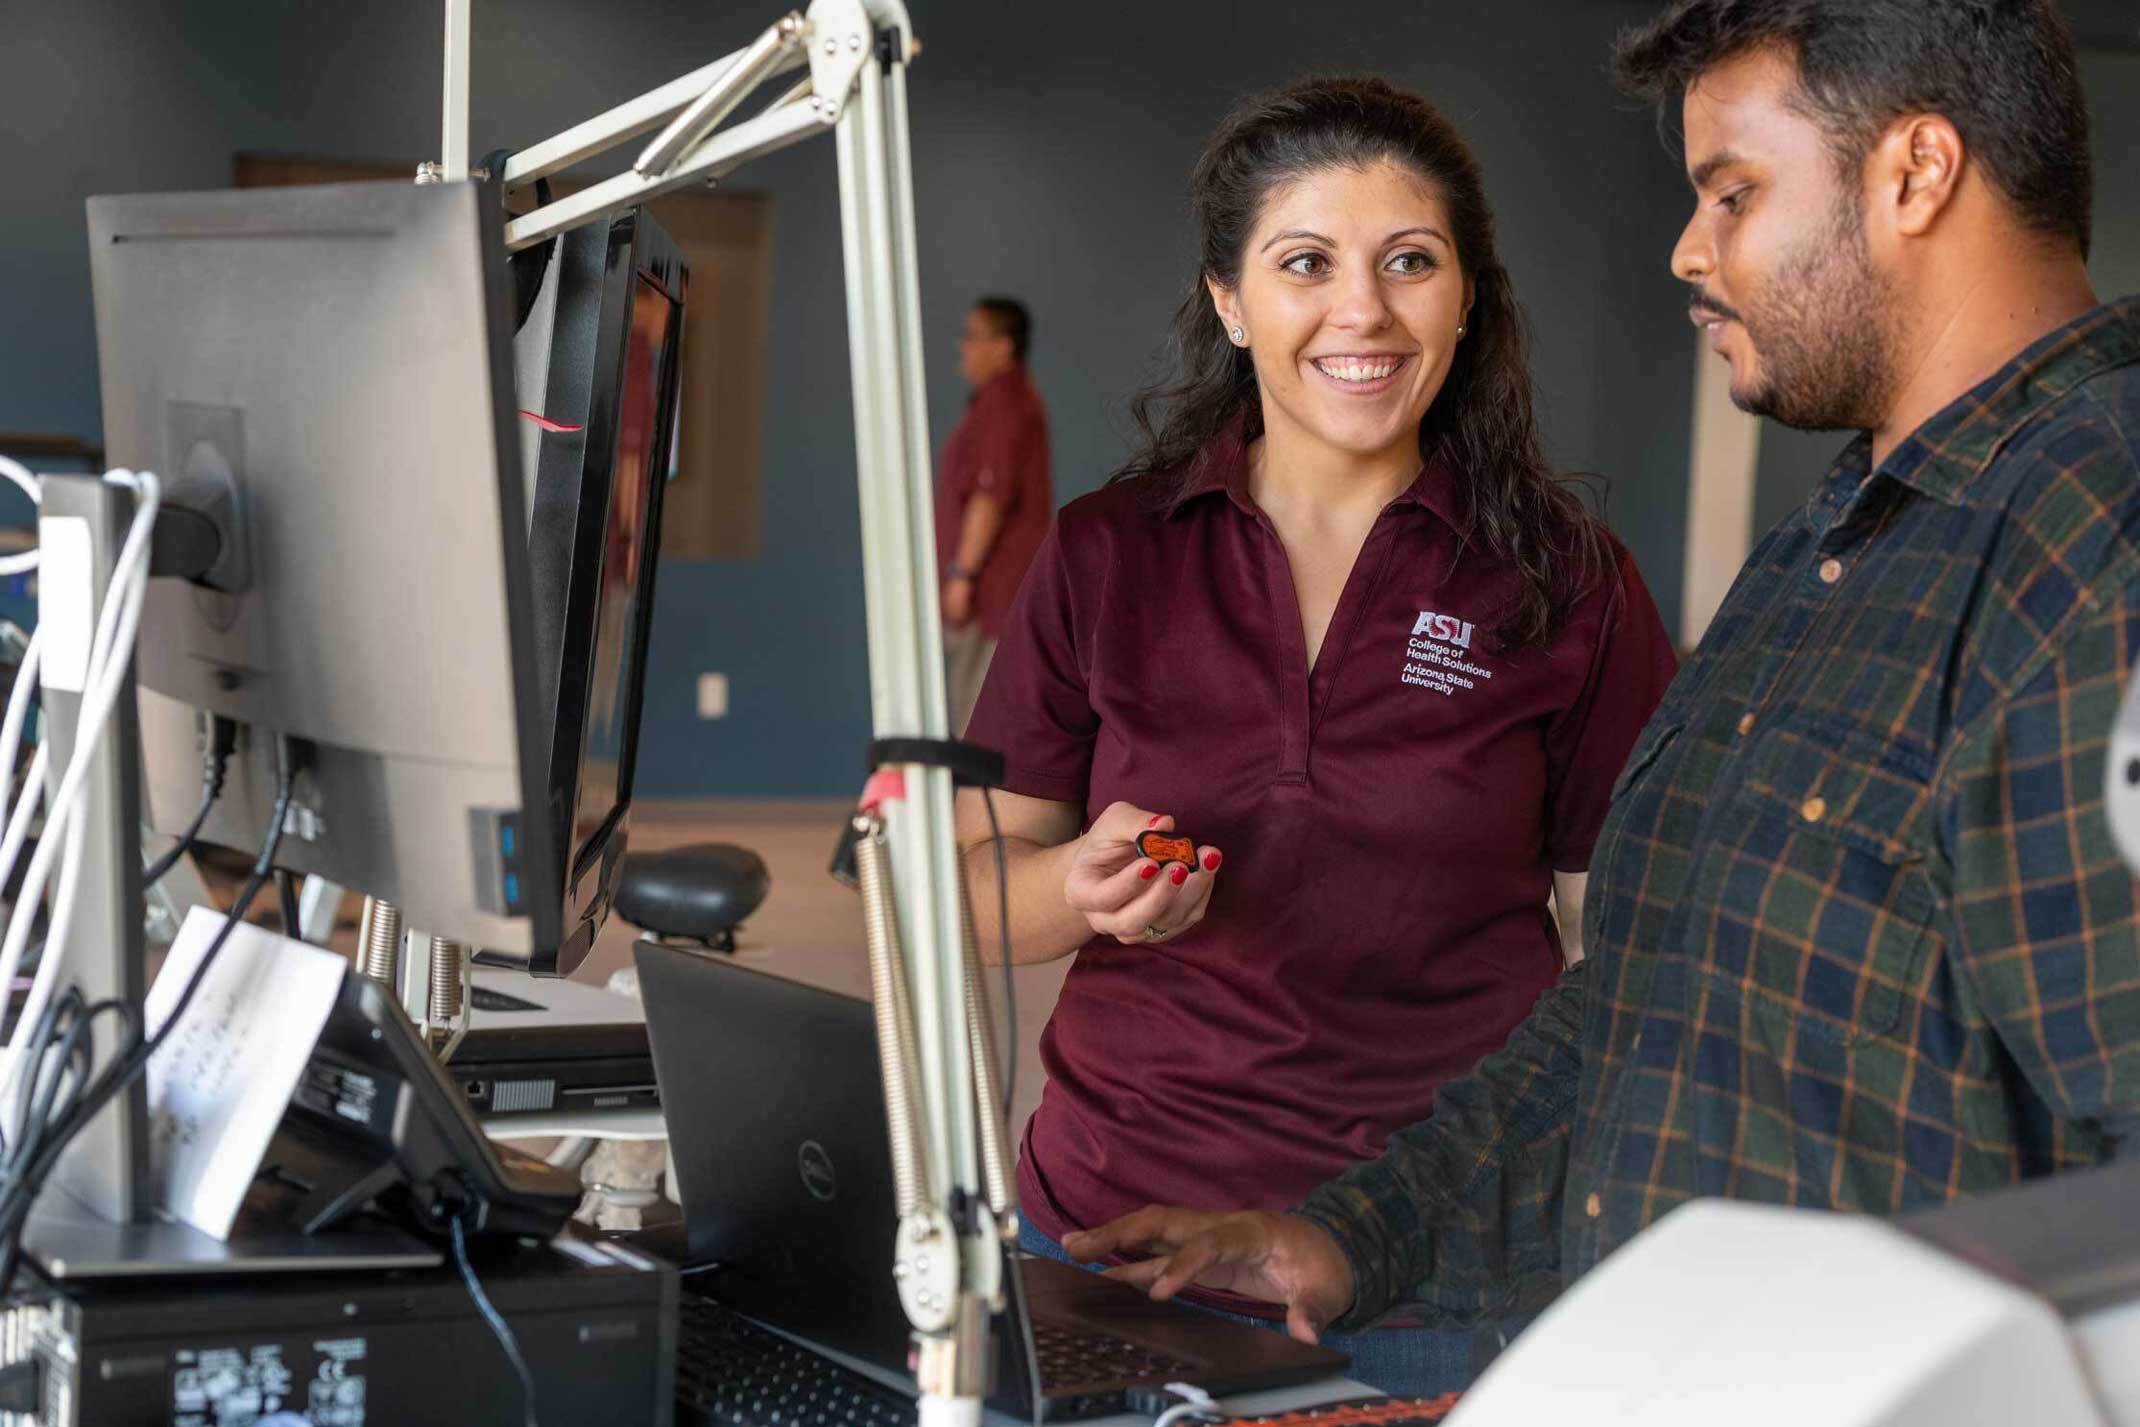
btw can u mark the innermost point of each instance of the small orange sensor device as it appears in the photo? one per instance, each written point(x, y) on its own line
point(1165, 847)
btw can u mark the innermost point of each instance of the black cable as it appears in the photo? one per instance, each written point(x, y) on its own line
point(286, 893)
point(1010, 984)
point(499, 1328)
point(222, 740)
point(58, 1098)
point(156, 870)
point(262, 867)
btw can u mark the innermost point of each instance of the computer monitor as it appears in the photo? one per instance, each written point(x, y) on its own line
point(327, 371)
point(609, 408)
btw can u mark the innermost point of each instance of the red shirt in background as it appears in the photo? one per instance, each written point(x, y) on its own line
point(1391, 826)
point(999, 448)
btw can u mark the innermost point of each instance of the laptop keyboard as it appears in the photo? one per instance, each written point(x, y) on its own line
point(732, 1373)
point(1071, 1358)
point(1360, 1412)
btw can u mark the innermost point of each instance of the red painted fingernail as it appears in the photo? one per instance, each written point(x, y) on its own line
point(1211, 862)
point(1157, 818)
point(1180, 874)
point(1148, 871)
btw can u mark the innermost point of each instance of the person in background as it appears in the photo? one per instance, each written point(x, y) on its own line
point(1341, 624)
point(1860, 937)
point(994, 498)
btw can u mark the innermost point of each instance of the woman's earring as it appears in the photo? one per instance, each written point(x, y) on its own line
point(1238, 336)
point(1459, 329)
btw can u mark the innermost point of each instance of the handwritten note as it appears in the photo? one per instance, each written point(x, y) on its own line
point(219, 1084)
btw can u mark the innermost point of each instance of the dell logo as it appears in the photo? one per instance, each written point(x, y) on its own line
point(816, 1167)
point(1447, 628)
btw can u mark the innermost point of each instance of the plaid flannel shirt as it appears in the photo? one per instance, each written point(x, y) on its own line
point(1858, 934)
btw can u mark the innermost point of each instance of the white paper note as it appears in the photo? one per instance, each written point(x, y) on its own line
point(219, 1085)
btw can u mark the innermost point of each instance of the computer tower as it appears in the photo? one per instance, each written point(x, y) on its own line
point(596, 1323)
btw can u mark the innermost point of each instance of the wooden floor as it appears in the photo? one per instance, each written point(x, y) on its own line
point(810, 927)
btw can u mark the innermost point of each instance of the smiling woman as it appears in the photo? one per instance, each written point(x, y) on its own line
point(1339, 619)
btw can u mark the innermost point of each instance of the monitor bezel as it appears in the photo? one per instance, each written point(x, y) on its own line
point(599, 271)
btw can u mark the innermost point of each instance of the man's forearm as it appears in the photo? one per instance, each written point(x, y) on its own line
point(1460, 1217)
point(978, 529)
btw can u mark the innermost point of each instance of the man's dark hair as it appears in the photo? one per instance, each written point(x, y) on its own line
point(1010, 319)
point(2001, 71)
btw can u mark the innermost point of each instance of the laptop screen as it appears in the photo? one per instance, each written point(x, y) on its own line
point(776, 1119)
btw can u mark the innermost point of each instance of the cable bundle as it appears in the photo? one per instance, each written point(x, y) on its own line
point(110, 652)
point(50, 1086)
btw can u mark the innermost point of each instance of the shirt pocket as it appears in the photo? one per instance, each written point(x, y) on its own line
point(1814, 910)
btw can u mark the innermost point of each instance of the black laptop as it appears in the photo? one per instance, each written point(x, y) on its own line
point(776, 1119)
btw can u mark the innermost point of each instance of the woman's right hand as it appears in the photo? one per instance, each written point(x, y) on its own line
point(1130, 897)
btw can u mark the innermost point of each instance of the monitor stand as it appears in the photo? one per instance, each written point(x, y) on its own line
point(107, 1166)
point(69, 1242)
point(93, 1217)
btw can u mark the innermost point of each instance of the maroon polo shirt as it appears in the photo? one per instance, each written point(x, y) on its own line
point(1390, 826)
point(999, 448)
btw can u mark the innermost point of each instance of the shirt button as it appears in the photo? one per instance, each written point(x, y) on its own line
point(1593, 1206)
point(1813, 809)
point(1831, 570)
point(1746, 724)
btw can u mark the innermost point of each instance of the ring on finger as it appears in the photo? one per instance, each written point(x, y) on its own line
point(1156, 933)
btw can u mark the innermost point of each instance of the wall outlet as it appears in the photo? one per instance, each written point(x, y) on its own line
point(713, 696)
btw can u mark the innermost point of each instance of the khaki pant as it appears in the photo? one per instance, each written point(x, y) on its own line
point(966, 654)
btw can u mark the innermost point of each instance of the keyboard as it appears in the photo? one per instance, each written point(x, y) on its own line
point(1071, 1358)
point(732, 1373)
point(1360, 1412)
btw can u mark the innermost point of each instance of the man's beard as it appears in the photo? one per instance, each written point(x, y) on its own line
point(1822, 331)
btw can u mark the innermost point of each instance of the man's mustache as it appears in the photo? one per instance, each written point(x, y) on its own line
point(1703, 307)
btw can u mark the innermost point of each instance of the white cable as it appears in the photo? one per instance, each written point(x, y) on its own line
point(111, 651)
point(18, 824)
point(15, 471)
point(65, 829)
point(1196, 1403)
point(20, 474)
point(18, 714)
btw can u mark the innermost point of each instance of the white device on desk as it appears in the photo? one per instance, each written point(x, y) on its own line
point(2017, 1307)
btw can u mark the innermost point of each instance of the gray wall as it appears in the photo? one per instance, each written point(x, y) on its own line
point(1050, 162)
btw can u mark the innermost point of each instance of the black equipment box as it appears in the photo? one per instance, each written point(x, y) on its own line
point(596, 1323)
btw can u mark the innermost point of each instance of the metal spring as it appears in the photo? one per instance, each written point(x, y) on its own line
point(988, 1092)
point(446, 959)
point(379, 940)
point(895, 1017)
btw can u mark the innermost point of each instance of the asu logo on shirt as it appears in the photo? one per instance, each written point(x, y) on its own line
point(1437, 656)
point(1445, 627)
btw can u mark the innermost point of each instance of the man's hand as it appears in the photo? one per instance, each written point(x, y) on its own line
point(957, 600)
point(1278, 1258)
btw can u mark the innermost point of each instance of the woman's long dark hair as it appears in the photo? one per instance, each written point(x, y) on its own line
point(1481, 422)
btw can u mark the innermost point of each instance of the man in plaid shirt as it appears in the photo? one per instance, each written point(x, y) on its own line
point(1858, 936)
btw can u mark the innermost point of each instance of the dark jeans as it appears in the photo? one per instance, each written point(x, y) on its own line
point(1404, 1362)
